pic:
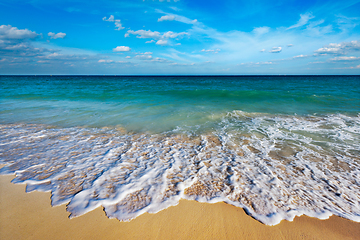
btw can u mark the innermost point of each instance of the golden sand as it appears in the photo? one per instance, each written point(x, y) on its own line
point(30, 216)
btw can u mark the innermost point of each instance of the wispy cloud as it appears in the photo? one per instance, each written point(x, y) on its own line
point(304, 19)
point(175, 17)
point(256, 63)
point(167, 18)
point(210, 50)
point(347, 23)
point(300, 56)
point(352, 58)
point(261, 30)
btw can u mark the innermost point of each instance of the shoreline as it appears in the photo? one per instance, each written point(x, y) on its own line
point(30, 216)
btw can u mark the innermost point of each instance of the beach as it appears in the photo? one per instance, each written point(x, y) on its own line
point(30, 216)
point(185, 156)
point(179, 119)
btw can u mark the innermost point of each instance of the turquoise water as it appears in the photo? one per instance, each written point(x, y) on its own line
point(277, 146)
point(164, 103)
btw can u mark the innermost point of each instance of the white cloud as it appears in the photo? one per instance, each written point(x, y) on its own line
point(345, 58)
point(171, 34)
point(53, 55)
point(143, 57)
point(301, 56)
point(9, 32)
point(290, 45)
point(118, 25)
point(117, 22)
point(178, 18)
point(148, 53)
point(261, 30)
point(262, 50)
point(339, 48)
point(57, 35)
point(144, 33)
point(150, 41)
point(127, 57)
point(105, 61)
point(304, 19)
point(110, 19)
point(167, 18)
point(155, 34)
point(17, 47)
point(332, 48)
point(162, 42)
point(210, 50)
point(353, 45)
point(275, 50)
point(121, 49)
point(255, 64)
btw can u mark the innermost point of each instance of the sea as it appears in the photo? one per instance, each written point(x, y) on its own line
point(276, 146)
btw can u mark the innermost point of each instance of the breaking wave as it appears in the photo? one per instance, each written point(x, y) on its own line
point(274, 166)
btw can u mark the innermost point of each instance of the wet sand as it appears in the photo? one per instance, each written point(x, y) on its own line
point(30, 216)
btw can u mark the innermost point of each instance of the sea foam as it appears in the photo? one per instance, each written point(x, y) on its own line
point(274, 166)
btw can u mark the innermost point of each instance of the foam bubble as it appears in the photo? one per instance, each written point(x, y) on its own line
point(275, 167)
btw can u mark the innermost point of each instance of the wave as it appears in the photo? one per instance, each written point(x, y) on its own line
point(274, 166)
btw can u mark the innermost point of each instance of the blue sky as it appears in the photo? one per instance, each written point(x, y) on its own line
point(179, 37)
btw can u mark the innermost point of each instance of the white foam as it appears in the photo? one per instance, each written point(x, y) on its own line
point(275, 167)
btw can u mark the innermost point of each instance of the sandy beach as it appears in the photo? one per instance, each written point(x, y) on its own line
point(179, 119)
point(30, 216)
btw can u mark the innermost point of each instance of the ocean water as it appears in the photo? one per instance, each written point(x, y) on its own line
point(279, 147)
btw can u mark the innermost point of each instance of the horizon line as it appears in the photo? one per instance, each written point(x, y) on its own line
point(177, 75)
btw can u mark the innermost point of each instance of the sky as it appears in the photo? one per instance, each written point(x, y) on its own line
point(179, 37)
